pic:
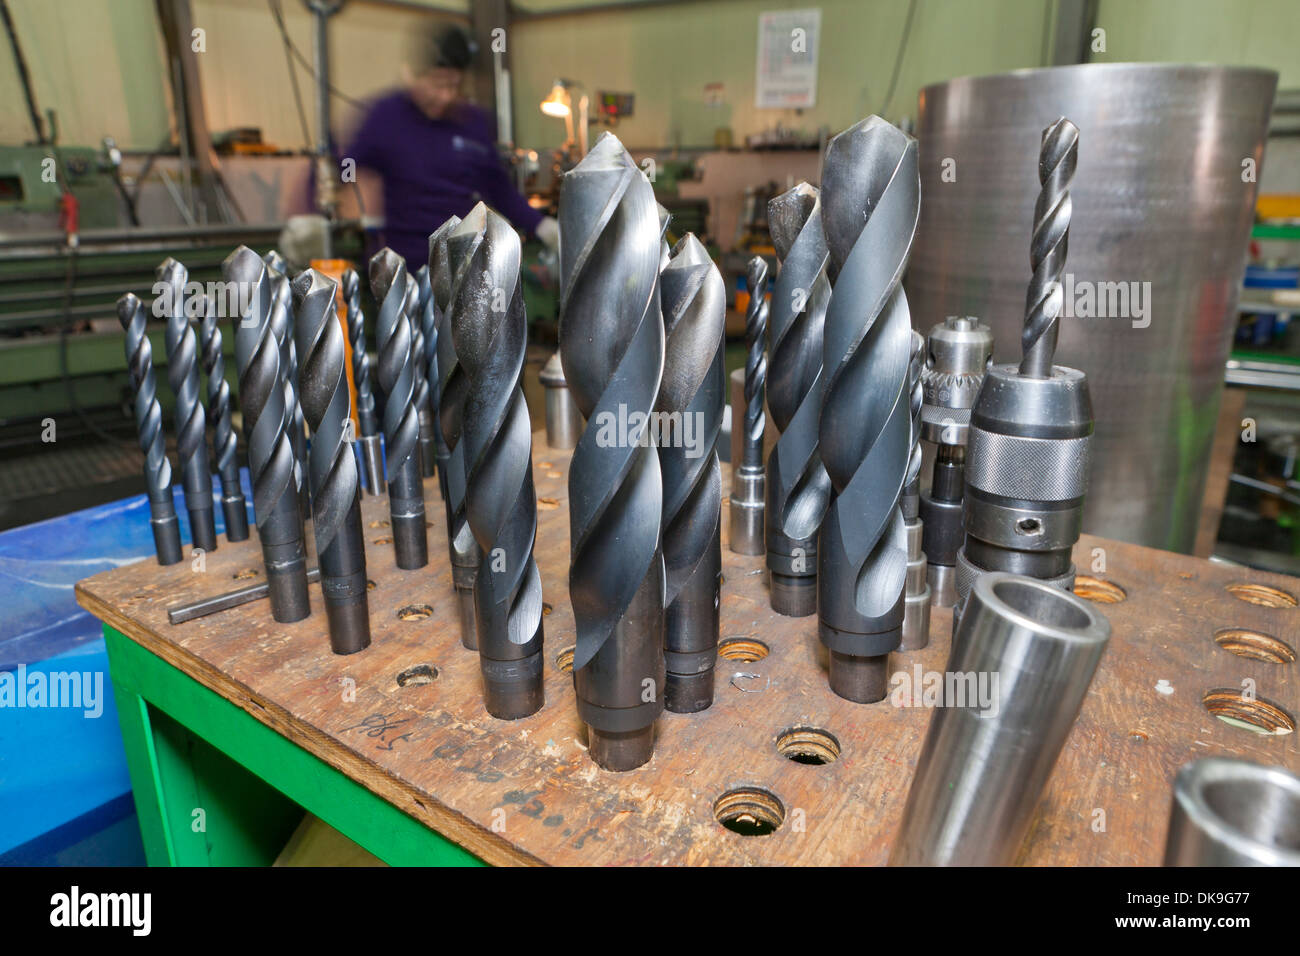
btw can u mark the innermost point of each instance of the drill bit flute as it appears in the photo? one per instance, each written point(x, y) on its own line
point(389, 280)
point(372, 459)
point(233, 506)
point(440, 297)
point(463, 547)
point(872, 194)
point(270, 452)
point(692, 394)
point(421, 326)
point(745, 535)
point(148, 421)
point(612, 346)
point(916, 592)
point(282, 328)
point(332, 469)
point(1031, 428)
point(798, 488)
point(191, 438)
point(500, 500)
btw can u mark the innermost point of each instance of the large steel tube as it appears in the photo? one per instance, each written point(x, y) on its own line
point(1164, 200)
point(1234, 813)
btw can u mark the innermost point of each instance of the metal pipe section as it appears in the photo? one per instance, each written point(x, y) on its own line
point(270, 452)
point(563, 420)
point(1161, 179)
point(497, 436)
point(1234, 813)
point(1020, 666)
point(370, 440)
point(148, 421)
point(748, 494)
point(612, 346)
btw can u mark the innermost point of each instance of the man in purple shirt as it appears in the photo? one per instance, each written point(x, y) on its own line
point(434, 156)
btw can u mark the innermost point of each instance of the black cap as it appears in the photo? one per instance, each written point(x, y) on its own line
point(451, 48)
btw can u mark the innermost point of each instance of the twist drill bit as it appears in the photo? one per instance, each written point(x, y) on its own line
point(463, 547)
point(916, 592)
point(957, 354)
point(1031, 427)
point(871, 189)
point(439, 296)
point(371, 450)
point(270, 452)
point(497, 438)
point(332, 468)
point(191, 438)
point(423, 328)
point(612, 347)
point(745, 534)
point(691, 395)
point(389, 280)
point(282, 328)
point(233, 506)
point(798, 488)
point(148, 421)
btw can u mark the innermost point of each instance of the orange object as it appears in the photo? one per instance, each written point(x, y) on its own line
point(334, 268)
point(1278, 206)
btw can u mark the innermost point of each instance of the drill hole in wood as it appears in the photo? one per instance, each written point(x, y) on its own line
point(414, 612)
point(744, 650)
point(379, 523)
point(749, 811)
point(1262, 595)
point(371, 584)
point(1255, 714)
point(1098, 591)
point(564, 660)
point(245, 574)
point(808, 745)
point(417, 675)
point(384, 539)
point(1255, 645)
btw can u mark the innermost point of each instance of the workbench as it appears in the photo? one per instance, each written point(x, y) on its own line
point(234, 724)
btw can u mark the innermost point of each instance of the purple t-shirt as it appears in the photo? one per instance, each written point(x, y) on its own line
point(434, 169)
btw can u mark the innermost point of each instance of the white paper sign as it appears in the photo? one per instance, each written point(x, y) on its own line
point(787, 59)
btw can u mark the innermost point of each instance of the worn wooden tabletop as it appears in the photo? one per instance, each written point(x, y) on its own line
point(431, 749)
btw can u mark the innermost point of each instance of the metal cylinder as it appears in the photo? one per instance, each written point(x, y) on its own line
point(563, 420)
point(1155, 190)
point(1020, 665)
point(1234, 813)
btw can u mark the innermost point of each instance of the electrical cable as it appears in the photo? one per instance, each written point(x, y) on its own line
point(20, 62)
point(278, 13)
point(898, 59)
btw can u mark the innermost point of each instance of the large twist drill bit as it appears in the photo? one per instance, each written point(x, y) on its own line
point(1031, 427)
point(148, 420)
point(798, 488)
point(748, 496)
point(270, 451)
point(497, 438)
point(282, 325)
point(916, 593)
point(191, 420)
point(872, 196)
point(440, 278)
point(461, 543)
point(233, 506)
point(612, 347)
point(372, 456)
point(691, 398)
point(389, 280)
point(423, 328)
point(331, 468)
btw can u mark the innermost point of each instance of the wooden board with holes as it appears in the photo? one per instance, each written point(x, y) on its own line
point(428, 747)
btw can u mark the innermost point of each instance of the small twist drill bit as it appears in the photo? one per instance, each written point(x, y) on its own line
point(497, 436)
point(282, 328)
point(423, 331)
point(872, 198)
point(332, 468)
point(389, 280)
point(916, 593)
point(691, 397)
point(798, 488)
point(452, 385)
point(612, 347)
point(148, 420)
point(233, 506)
point(439, 277)
point(372, 459)
point(748, 494)
point(270, 452)
point(191, 437)
point(1057, 160)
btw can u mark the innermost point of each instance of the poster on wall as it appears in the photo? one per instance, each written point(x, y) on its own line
point(787, 59)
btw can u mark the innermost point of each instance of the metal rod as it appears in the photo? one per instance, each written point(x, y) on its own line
point(224, 602)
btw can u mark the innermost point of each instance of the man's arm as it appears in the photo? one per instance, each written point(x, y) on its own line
point(363, 199)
